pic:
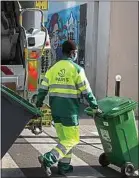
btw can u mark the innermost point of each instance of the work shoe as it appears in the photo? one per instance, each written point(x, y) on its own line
point(45, 168)
point(65, 169)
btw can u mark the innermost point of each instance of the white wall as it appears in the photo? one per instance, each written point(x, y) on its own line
point(123, 57)
point(91, 43)
point(97, 46)
point(102, 49)
point(112, 48)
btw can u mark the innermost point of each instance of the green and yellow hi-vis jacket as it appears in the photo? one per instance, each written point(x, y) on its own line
point(65, 81)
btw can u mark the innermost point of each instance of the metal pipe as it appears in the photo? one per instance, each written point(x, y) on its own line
point(117, 85)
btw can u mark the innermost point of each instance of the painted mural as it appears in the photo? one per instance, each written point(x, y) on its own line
point(62, 26)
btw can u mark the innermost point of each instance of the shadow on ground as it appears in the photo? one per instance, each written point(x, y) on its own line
point(37, 172)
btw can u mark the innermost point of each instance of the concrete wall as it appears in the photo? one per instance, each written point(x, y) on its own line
point(112, 47)
point(102, 49)
point(123, 51)
point(91, 42)
point(97, 46)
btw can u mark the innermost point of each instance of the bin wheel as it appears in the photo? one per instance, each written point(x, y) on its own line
point(103, 160)
point(128, 169)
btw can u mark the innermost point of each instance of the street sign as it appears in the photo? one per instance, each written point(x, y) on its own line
point(43, 5)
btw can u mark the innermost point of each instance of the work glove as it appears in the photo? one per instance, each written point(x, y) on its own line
point(97, 111)
point(38, 104)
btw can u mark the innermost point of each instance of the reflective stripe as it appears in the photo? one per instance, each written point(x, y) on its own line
point(81, 84)
point(63, 86)
point(45, 79)
point(65, 91)
point(55, 153)
point(44, 87)
point(65, 160)
point(85, 92)
point(59, 151)
point(64, 95)
point(62, 148)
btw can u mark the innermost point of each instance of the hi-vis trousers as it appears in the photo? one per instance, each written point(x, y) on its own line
point(62, 153)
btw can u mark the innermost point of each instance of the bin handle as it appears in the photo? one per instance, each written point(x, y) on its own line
point(90, 113)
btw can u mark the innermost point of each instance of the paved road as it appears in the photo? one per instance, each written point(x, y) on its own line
point(21, 160)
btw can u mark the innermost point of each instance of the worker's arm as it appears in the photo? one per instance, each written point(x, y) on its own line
point(84, 86)
point(43, 90)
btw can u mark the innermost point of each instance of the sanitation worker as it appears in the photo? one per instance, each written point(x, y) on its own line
point(65, 81)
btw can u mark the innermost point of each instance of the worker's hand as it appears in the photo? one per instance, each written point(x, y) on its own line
point(97, 111)
point(38, 104)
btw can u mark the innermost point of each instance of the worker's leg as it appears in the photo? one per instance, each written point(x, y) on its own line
point(43, 161)
point(70, 139)
point(59, 131)
point(64, 165)
point(67, 158)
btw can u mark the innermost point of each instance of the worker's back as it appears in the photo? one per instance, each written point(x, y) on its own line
point(65, 81)
point(64, 95)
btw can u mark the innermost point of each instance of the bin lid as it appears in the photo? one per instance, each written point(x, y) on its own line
point(21, 100)
point(114, 106)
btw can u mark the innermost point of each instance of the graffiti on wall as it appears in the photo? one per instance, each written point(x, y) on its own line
point(62, 26)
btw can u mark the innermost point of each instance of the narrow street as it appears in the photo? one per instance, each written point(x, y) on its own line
point(21, 160)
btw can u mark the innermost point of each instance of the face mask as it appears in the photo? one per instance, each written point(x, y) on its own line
point(74, 58)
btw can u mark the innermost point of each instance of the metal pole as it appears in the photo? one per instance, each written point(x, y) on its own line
point(117, 85)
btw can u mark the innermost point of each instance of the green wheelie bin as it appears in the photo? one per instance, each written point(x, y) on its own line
point(16, 112)
point(118, 133)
